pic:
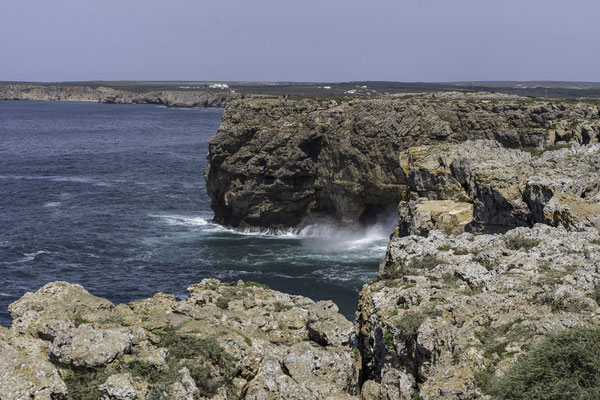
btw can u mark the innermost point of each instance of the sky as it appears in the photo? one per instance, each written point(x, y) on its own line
point(301, 40)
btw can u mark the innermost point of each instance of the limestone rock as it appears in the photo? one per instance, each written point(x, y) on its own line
point(450, 307)
point(508, 188)
point(25, 372)
point(419, 216)
point(89, 347)
point(118, 387)
point(226, 339)
point(54, 308)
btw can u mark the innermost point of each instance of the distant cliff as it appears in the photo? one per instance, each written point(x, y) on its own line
point(274, 164)
point(168, 98)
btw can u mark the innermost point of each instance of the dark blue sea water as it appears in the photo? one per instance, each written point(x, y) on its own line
point(113, 197)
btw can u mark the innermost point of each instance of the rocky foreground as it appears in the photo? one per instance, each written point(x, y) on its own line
point(168, 98)
point(225, 341)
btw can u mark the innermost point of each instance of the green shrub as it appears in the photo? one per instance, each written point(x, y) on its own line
point(82, 384)
point(566, 365)
point(198, 355)
point(256, 284)
point(388, 340)
point(116, 319)
point(410, 322)
point(78, 320)
point(223, 302)
point(427, 262)
point(536, 152)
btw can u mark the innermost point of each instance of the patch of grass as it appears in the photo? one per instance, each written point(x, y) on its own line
point(82, 384)
point(388, 340)
point(596, 294)
point(555, 275)
point(445, 247)
point(488, 263)
point(519, 242)
point(450, 280)
point(209, 364)
point(256, 284)
point(563, 366)
point(116, 319)
point(223, 302)
point(536, 152)
point(78, 320)
point(410, 322)
point(394, 271)
point(459, 251)
point(495, 340)
point(472, 290)
point(427, 262)
point(356, 354)
point(484, 379)
point(279, 306)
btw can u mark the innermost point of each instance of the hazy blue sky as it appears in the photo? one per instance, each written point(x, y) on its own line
point(302, 40)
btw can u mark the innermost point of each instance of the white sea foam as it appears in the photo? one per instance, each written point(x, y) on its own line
point(29, 257)
point(51, 204)
point(324, 237)
point(183, 220)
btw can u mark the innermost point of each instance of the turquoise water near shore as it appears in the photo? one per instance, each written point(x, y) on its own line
point(113, 197)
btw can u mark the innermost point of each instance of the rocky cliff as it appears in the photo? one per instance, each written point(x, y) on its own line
point(168, 98)
point(274, 164)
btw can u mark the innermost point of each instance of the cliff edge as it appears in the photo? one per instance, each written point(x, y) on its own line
point(276, 164)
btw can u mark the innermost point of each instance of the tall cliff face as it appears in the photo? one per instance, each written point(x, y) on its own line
point(274, 164)
point(169, 98)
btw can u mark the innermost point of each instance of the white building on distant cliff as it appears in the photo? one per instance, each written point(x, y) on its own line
point(218, 86)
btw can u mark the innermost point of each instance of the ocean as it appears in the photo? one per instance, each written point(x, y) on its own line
point(113, 197)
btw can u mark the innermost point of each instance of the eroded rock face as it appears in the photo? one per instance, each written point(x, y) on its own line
point(448, 308)
point(236, 340)
point(507, 187)
point(168, 98)
point(275, 165)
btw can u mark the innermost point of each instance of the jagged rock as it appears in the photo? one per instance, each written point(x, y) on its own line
point(25, 372)
point(419, 216)
point(277, 165)
point(55, 308)
point(185, 387)
point(118, 387)
point(370, 390)
point(508, 188)
point(449, 308)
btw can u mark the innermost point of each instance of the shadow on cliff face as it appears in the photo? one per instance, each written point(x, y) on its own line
point(325, 234)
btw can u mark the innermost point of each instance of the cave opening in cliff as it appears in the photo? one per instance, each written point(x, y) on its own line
point(384, 215)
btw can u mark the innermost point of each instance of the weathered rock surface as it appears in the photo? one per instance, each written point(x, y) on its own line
point(168, 98)
point(448, 309)
point(224, 341)
point(275, 165)
point(508, 188)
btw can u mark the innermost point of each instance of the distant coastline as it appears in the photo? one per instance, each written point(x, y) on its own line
point(168, 98)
